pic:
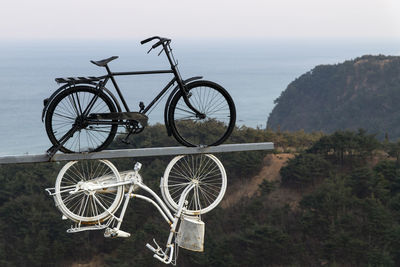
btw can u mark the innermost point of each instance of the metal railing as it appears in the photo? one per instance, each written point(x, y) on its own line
point(137, 152)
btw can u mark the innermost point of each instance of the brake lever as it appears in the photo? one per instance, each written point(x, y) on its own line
point(151, 48)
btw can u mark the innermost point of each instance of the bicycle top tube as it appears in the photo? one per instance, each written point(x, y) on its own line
point(125, 73)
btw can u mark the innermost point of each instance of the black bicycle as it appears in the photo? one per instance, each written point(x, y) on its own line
point(84, 116)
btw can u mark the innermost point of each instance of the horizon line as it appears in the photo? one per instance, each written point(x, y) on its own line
point(218, 39)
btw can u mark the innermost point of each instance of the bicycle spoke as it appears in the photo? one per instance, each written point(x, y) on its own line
point(186, 110)
point(64, 116)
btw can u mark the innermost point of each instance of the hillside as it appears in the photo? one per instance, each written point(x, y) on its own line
point(360, 93)
point(320, 201)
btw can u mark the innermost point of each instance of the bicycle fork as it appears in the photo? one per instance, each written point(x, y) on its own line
point(186, 95)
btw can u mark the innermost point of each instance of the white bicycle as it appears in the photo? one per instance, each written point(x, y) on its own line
point(90, 193)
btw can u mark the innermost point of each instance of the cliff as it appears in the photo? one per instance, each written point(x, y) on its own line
point(360, 93)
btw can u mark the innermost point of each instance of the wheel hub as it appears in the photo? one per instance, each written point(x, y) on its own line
point(201, 116)
point(86, 187)
point(81, 122)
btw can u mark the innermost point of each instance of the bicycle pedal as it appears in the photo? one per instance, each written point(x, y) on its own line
point(112, 233)
point(125, 141)
point(121, 233)
point(141, 106)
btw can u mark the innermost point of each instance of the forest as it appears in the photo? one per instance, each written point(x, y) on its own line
point(344, 208)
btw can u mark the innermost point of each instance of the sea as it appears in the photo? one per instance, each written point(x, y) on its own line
point(255, 72)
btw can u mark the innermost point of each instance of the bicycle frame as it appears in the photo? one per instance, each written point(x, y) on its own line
point(111, 76)
point(174, 70)
point(134, 181)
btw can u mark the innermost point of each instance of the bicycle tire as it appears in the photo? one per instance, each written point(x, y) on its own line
point(63, 113)
point(80, 204)
point(205, 171)
point(210, 99)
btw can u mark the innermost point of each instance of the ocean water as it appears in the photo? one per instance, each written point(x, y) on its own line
point(254, 72)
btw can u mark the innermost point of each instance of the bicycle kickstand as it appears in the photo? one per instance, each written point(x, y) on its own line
point(53, 150)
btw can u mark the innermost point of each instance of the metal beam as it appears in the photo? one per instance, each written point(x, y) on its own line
point(137, 152)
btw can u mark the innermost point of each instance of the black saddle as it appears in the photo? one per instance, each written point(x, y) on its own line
point(103, 62)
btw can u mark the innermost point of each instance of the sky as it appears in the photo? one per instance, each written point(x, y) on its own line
point(220, 19)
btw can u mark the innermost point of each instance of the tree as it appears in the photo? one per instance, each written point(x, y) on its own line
point(346, 145)
point(305, 169)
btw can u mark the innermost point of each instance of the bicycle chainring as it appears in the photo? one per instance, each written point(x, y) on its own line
point(133, 127)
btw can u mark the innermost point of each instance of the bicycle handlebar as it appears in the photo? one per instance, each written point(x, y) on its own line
point(149, 39)
point(161, 41)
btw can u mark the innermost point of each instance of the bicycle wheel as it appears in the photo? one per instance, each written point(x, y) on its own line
point(78, 198)
point(66, 110)
point(208, 175)
point(210, 99)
